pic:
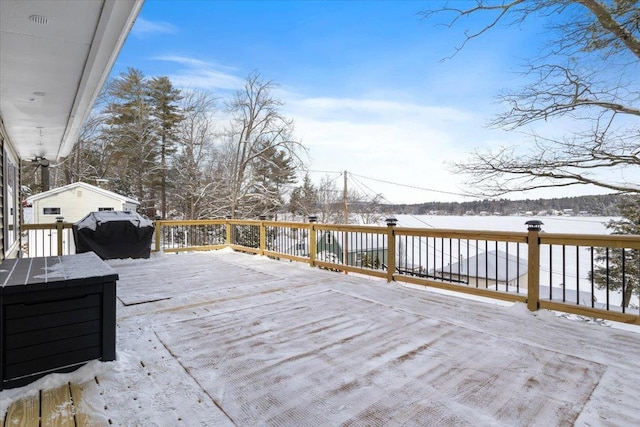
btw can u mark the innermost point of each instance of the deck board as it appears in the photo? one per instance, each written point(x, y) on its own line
point(81, 409)
point(24, 413)
point(57, 408)
point(63, 406)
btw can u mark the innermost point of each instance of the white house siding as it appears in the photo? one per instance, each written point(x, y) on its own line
point(75, 203)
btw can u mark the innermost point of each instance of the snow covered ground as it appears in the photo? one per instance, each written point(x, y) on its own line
point(223, 338)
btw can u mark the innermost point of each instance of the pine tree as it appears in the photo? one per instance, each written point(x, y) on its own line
point(164, 99)
point(618, 270)
point(272, 170)
point(131, 134)
point(304, 199)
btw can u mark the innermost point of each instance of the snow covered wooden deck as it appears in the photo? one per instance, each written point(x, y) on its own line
point(225, 338)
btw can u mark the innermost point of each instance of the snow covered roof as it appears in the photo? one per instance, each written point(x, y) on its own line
point(84, 186)
point(359, 241)
point(485, 265)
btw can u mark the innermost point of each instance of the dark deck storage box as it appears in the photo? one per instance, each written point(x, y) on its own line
point(56, 313)
point(114, 234)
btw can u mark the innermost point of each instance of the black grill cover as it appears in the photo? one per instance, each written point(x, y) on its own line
point(114, 234)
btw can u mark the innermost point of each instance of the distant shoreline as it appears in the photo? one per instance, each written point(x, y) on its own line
point(599, 205)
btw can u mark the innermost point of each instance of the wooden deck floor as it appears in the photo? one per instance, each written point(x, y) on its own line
point(229, 339)
point(60, 407)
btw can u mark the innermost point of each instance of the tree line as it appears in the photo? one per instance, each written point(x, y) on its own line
point(187, 154)
point(597, 205)
point(184, 153)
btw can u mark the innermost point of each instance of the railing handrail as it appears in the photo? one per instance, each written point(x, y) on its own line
point(348, 227)
point(506, 236)
point(190, 221)
point(595, 240)
point(48, 226)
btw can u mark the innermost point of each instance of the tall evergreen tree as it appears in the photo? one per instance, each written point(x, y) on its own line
point(304, 199)
point(165, 99)
point(271, 172)
point(131, 134)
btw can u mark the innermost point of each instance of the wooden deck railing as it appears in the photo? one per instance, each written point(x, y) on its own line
point(581, 274)
point(47, 239)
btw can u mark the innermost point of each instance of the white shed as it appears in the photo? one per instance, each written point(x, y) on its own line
point(75, 201)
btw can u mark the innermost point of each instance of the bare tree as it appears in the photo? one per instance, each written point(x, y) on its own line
point(367, 208)
point(330, 201)
point(587, 76)
point(88, 160)
point(257, 128)
point(193, 188)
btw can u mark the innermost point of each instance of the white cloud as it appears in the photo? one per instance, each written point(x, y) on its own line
point(145, 27)
point(387, 140)
point(196, 73)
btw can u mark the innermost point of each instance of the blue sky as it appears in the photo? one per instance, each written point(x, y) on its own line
point(363, 81)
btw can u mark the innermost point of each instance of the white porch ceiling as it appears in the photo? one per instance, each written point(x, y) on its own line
point(54, 58)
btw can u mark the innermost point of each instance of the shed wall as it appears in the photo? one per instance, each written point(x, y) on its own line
point(74, 205)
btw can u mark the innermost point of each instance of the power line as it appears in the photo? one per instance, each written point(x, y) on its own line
point(414, 186)
point(319, 171)
point(366, 190)
point(360, 183)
